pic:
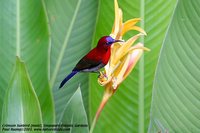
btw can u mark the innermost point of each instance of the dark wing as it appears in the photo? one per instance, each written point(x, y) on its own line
point(86, 65)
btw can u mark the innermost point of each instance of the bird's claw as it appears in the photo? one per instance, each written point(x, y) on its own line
point(102, 75)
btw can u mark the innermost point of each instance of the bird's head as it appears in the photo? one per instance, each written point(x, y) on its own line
point(106, 41)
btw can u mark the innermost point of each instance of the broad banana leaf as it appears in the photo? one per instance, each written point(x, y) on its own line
point(72, 24)
point(24, 33)
point(21, 105)
point(74, 114)
point(176, 92)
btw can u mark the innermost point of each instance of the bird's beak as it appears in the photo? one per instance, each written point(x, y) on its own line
point(119, 41)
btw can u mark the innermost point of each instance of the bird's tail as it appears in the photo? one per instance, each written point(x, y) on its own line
point(67, 78)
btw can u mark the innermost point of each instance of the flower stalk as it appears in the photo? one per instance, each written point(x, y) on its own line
point(107, 95)
point(123, 58)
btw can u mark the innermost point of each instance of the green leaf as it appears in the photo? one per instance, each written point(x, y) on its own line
point(21, 105)
point(128, 110)
point(176, 92)
point(74, 114)
point(72, 25)
point(24, 32)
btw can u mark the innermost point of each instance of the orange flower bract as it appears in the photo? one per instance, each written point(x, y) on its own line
point(124, 56)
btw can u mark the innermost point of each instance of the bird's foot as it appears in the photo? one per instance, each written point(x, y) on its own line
point(102, 75)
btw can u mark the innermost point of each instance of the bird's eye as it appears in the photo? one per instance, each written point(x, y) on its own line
point(108, 43)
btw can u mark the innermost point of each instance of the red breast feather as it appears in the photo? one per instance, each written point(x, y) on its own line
point(99, 55)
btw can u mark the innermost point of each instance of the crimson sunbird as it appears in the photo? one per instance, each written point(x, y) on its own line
point(96, 59)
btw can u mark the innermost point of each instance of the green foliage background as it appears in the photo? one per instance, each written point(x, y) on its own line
point(41, 41)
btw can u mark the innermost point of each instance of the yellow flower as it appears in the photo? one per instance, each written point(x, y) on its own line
point(123, 58)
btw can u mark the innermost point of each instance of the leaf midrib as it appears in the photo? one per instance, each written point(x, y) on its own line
point(141, 126)
point(18, 28)
point(64, 45)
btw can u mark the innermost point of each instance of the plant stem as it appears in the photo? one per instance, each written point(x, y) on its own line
point(107, 94)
